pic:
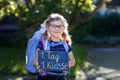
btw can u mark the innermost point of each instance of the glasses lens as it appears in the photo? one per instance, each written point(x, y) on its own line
point(56, 26)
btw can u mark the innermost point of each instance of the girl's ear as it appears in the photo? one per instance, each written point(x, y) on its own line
point(48, 33)
point(47, 28)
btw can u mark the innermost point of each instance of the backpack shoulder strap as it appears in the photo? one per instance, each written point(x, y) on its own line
point(65, 44)
point(45, 44)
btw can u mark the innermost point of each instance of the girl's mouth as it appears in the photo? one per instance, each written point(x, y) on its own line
point(56, 32)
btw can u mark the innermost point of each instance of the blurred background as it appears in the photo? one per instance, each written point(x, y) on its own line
point(92, 24)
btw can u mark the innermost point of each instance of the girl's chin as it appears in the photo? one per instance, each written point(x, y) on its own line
point(56, 36)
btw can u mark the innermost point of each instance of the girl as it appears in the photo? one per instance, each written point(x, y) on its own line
point(56, 31)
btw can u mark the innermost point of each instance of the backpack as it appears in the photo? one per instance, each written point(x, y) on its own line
point(31, 50)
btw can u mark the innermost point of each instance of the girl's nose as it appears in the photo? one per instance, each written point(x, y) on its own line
point(56, 27)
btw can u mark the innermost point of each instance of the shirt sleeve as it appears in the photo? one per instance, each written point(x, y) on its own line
point(69, 48)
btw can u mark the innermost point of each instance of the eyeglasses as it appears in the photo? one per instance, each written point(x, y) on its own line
point(56, 26)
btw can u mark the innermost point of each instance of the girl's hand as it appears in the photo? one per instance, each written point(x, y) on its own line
point(39, 69)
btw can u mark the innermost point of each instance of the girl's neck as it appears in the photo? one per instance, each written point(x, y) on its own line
point(55, 39)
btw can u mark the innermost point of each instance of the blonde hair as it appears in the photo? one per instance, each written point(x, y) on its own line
point(53, 17)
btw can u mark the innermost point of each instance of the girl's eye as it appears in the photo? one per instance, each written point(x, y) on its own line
point(56, 26)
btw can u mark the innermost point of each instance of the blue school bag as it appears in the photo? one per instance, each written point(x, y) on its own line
point(31, 49)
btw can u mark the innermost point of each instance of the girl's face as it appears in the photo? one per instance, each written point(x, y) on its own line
point(56, 29)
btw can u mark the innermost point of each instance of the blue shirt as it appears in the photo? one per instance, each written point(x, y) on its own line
point(59, 47)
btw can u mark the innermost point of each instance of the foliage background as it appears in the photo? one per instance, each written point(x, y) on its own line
point(102, 31)
point(31, 13)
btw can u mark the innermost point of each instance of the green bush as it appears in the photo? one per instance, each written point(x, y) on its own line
point(106, 25)
point(101, 29)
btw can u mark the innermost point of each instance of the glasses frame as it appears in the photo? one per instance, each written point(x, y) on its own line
point(56, 26)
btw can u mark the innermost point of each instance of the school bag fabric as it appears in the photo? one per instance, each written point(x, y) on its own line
point(31, 49)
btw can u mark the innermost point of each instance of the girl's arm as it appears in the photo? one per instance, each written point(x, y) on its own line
point(71, 59)
point(35, 63)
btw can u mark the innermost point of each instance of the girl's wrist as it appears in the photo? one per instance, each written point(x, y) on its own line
point(69, 64)
point(37, 67)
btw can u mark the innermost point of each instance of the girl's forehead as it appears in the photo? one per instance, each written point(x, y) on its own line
point(56, 22)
